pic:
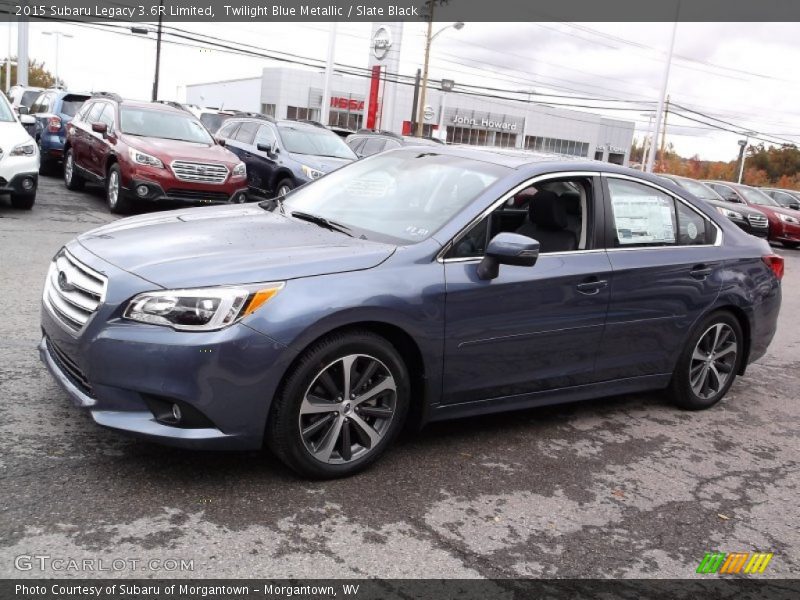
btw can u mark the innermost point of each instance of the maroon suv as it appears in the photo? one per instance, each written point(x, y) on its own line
point(143, 151)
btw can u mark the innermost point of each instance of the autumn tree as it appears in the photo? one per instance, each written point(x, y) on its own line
point(38, 75)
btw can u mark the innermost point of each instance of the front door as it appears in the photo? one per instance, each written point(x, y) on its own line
point(532, 328)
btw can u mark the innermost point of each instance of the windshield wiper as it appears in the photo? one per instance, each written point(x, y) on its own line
point(322, 222)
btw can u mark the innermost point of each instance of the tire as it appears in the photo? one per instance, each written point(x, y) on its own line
point(298, 429)
point(700, 380)
point(791, 245)
point(115, 196)
point(23, 201)
point(284, 187)
point(72, 179)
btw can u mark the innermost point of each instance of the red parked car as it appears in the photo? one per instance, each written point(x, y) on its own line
point(149, 152)
point(784, 223)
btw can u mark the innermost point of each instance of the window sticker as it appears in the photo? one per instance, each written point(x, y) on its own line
point(644, 220)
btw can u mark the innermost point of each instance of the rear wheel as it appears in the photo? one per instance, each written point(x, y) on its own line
point(117, 202)
point(72, 179)
point(709, 363)
point(341, 407)
point(284, 187)
point(23, 201)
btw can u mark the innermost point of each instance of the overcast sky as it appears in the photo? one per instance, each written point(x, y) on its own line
point(746, 74)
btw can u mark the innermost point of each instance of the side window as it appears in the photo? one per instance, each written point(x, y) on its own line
point(264, 136)
point(727, 193)
point(556, 213)
point(94, 113)
point(227, 130)
point(82, 114)
point(47, 103)
point(37, 104)
point(246, 132)
point(373, 146)
point(392, 144)
point(107, 116)
point(643, 216)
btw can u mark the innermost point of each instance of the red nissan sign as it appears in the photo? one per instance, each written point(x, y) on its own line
point(346, 103)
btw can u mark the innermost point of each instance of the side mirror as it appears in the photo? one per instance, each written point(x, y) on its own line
point(271, 149)
point(23, 110)
point(100, 128)
point(27, 119)
point(508, 249)
point(220, 140)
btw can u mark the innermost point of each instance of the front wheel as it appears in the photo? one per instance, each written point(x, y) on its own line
point(709, 363)
point(284, 187)
point(72, 179)
point(117, 202)
point(341, 407)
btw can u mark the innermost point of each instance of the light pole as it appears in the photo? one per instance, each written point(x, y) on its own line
point(742, 148)
point(661, 100)
point(58, 35)
point(421, 108)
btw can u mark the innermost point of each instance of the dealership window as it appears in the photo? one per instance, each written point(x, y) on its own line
point(645, 216)
point(505, 139)
point(345, 119)
point(557, 146)
point(467, 135)
point(268, 109)
point(298, 113)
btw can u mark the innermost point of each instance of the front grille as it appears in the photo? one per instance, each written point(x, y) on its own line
point(197, 195)
point(199, 172)
point(69, 368)
point(757, 221)
point(73, 291)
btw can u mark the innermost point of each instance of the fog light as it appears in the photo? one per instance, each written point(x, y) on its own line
point(27, 184)
point(142, 191)
point(176, 412)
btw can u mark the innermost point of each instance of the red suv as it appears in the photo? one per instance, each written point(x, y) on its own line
point(144, 151)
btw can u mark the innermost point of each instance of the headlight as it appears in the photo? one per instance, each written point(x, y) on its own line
point(788, 219)
point(200, 309)
point(240, 169)
point(731, 214)
point(26, 149)
point(311, 173)
point(143, 158)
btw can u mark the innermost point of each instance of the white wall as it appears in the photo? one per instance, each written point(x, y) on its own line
point(240, 94)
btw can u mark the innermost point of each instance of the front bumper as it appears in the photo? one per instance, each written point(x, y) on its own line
point(120, 371)
point(16, 185)
point(13, 169)
point(786, 232)
point(178, 193)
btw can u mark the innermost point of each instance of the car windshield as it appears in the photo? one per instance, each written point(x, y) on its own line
point(71, 104)
point(6, 114)
point(757, 197)
point(162, 124)
point(700, 190)
point(315, 141)
point(405, 195)
point(213, 121)
point(28, 97)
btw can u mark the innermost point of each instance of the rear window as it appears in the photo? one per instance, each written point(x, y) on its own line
point(71, 104)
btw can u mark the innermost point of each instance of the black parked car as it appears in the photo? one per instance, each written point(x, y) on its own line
point(752, 220)
point(283, 155)
point(366, 142)
point(786, 198)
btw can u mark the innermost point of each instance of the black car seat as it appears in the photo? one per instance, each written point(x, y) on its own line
point(572, 204)
point(547, 223)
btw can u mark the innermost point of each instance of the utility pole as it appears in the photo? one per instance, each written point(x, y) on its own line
point(414, 105)
point(651, 155)
point(421, 107)
point(326, 88)
point(742, 148)
point(8, 63)
point(664, 133)
point(158, 49)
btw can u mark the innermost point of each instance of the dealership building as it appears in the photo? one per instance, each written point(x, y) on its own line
point(459, 117)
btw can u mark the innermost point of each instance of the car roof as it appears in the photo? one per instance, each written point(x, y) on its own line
point(148, 105)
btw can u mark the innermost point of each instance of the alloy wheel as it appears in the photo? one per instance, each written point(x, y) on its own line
point(713, 360)
point(283, 190)
point(68, 168)
point(348, 409)
point(113, 188)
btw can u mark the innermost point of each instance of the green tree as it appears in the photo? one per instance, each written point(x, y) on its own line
point(38, 75)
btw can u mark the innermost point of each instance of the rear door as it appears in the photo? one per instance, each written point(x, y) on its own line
point(667, 268)
point(99, 147)
point(82, 134)
point(260, 165)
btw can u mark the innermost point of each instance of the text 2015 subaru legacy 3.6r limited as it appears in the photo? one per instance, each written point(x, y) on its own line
point(415, 285)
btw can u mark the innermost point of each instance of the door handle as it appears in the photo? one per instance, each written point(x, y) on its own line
point(590, 288)
point(700, 271)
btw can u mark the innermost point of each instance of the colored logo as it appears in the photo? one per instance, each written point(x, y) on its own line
point(734, 562)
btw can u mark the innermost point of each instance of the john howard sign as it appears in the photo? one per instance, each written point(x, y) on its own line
point(486, 121)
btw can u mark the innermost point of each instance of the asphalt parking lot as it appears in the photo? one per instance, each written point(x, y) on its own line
point(624, 487)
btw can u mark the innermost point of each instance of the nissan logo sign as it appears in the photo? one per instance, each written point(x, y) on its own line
point(381, 42)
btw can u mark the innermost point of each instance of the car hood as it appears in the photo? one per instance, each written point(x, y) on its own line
point(12, 133)
point(228, 245)
point(326, 164)
point(169, 150)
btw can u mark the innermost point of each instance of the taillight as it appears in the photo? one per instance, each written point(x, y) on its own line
point(54, 125)
point(774, 262)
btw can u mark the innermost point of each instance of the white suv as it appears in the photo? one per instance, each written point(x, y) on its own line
point(19, 158)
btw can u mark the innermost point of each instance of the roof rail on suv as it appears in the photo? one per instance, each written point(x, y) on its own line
point(381, 132)
point(254, 115)
point(111, 95)
point(173, 104)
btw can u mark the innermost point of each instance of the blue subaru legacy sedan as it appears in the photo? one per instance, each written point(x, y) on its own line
point(415, 285)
